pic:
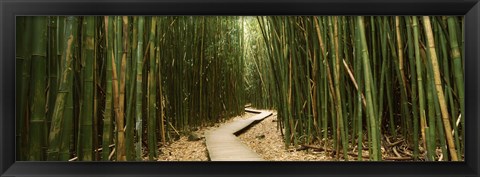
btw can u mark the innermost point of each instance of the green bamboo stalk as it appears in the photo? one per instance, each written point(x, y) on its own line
point(120, 143)
point(160, 111)
point(431, 138)
point(19, 62)
point(384, 75)
point(118, 51)
point(448, 91)
point(400, 51)
point(85, 153)
point(368, 77)
point(122, 84)
point(358, 73)
point(23, 64)
point(55, 134)
point(419, 73)
point(339, 99)
point(200, 92)
point(130, 111)
point(38, 100)
point(401, 75)
point(68, 134)
point(438, 87)
point(97, 81)
point(151, 121)
point(458, 72)
point(52, 67)
point(316, 85)
point(138, 88)
point(431, 103)
point(119, 89)
point(107, 121)
point(414, 90)
point(439, 129)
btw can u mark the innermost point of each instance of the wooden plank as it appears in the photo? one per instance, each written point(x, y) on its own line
point(223, 145)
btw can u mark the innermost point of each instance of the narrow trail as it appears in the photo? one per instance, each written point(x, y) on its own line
point(223, 145)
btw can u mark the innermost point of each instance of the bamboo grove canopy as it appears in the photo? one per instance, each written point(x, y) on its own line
point(118, 87)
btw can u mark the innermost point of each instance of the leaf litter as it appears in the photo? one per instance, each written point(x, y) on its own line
point(263, 138)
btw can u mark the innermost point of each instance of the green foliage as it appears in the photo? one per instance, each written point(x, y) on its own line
point(178, 73)
point(334, 77)
point(122, 86)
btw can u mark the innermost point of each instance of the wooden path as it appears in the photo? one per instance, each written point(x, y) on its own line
point(223, 145)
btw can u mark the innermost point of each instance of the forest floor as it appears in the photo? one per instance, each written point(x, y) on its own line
point(265, 139)
point(187, 150)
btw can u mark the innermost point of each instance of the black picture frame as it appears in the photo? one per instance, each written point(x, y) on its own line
point(10, 8)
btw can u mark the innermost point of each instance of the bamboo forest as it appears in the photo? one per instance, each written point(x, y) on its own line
point(328, 88)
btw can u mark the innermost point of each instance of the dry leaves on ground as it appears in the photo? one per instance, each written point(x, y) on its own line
point(265, 139)
point(184, 150)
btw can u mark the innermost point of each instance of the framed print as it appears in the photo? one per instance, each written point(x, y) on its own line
point(239, 88)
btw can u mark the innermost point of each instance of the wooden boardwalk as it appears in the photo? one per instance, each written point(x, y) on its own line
point(223, 145)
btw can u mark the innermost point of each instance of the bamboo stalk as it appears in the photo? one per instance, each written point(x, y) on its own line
point(130, 111)
point(368, 78)
point(291, 64)
point(107, 121)
point(38, 100)
point(438, 87)
point(152, 107)
point(23, 61)
point(457, 67)
point(138, 88)
point(85, 135)
point(54, 136)
point(419, 75)
point(414, 90)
